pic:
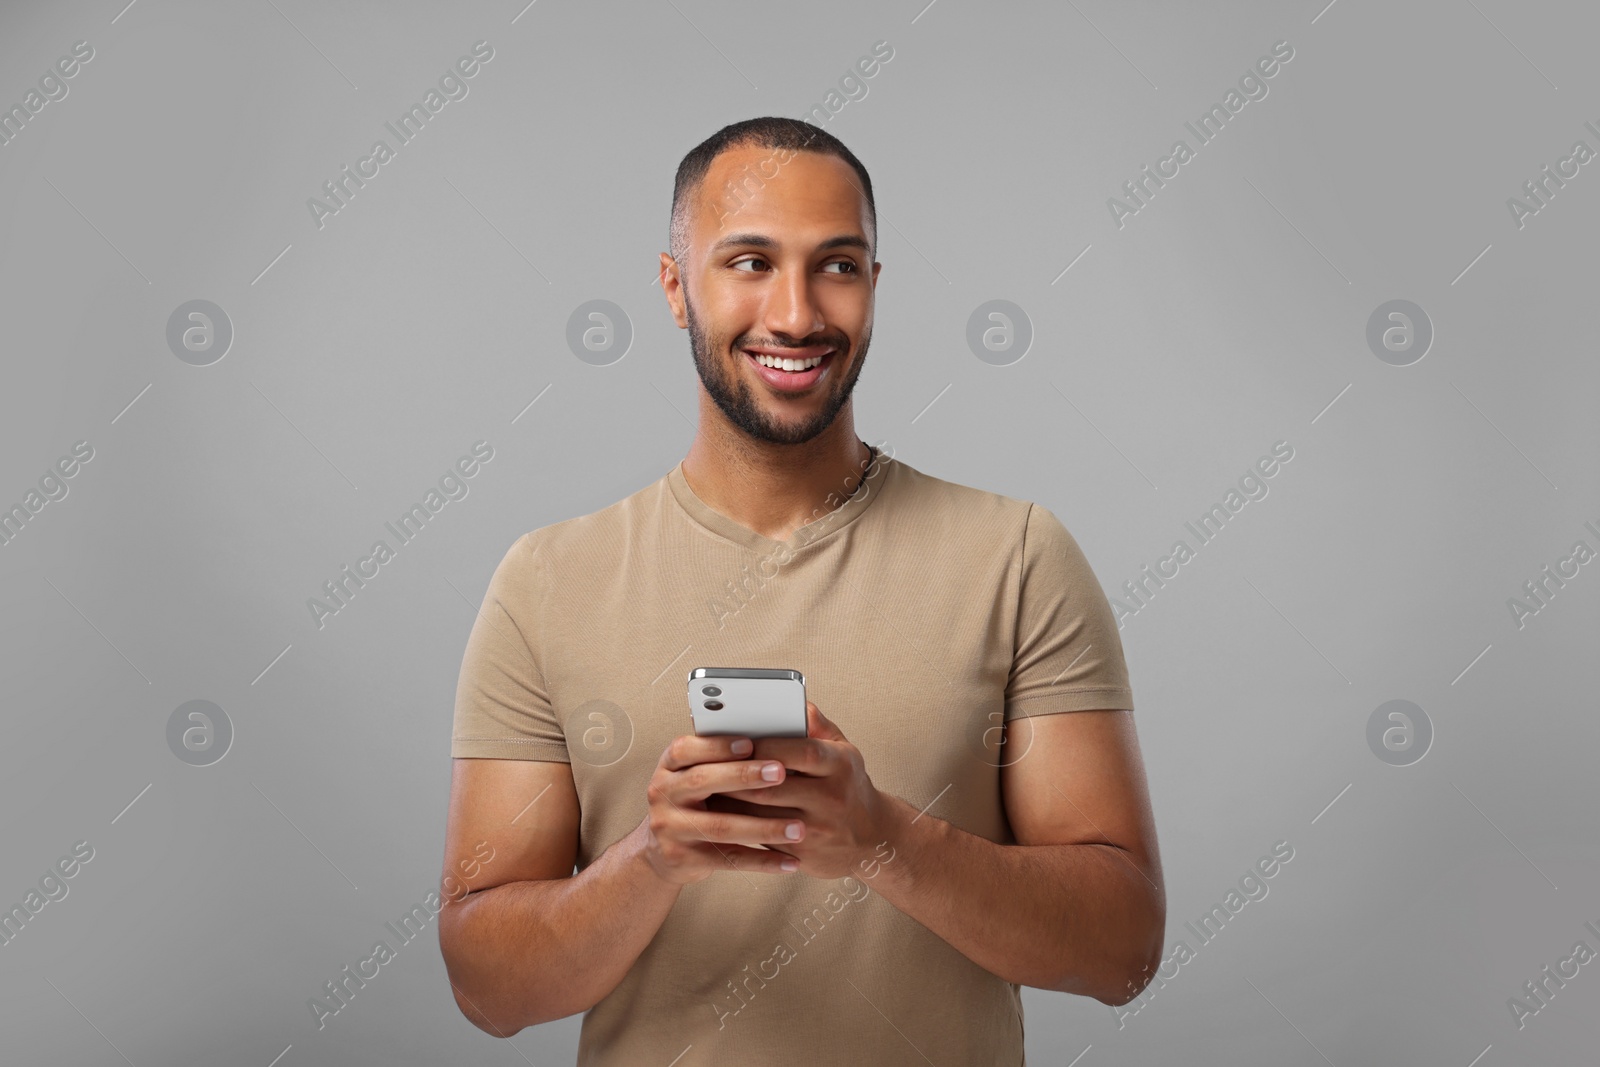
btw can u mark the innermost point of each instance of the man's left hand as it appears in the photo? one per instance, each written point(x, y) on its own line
point(827, 788)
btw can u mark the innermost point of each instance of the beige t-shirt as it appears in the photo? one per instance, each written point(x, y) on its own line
point(922, 613)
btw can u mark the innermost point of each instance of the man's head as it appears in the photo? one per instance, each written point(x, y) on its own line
point(774, 240)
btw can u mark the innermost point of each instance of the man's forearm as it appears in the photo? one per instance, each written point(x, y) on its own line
point(1080, 919)
point(525, 953)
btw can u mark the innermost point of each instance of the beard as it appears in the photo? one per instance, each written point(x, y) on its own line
point(736, 399)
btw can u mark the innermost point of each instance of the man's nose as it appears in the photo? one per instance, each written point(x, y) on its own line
point(791, 309)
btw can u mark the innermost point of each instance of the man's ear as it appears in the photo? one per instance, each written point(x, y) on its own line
point(672, 286)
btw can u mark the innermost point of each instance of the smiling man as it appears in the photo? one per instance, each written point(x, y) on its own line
point(968, 813)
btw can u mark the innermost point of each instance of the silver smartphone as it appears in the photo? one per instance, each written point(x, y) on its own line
point(747, 701)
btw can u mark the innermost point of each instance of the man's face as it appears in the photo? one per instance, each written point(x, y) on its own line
point(766, 282)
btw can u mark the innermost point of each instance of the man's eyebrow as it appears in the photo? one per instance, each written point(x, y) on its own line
point(761, 240)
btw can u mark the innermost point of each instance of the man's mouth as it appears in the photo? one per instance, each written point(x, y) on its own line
point(790, 369)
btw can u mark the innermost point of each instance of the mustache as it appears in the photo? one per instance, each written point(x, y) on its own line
point(839, 343)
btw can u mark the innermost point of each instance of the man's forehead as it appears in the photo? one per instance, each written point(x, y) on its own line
point(785, 194)
point(775, 243)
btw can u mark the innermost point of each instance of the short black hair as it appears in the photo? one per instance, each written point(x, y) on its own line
point(767, 132)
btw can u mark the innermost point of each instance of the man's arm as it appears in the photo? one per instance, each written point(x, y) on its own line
point(1077, 905)
point(531, 942)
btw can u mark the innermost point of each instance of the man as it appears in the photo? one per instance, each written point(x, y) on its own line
point(958, 834)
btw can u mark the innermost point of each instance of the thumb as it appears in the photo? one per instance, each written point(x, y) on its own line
point(819, 725)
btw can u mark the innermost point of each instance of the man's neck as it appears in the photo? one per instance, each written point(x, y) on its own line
point(774, 489)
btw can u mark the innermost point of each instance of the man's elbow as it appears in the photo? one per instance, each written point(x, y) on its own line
point(1125, 963)
point(487, 1006)
point(478, 1002)
point(489, 1024)
point(503, 1024)
point(1127, 976)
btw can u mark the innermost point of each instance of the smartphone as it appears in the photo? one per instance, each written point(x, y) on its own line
point(750, 702)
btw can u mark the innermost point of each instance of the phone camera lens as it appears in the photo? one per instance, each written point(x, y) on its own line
point(713, 705)
point(711, 691)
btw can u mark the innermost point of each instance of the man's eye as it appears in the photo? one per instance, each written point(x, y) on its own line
point(741, 263)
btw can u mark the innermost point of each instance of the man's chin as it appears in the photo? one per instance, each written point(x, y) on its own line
point(777, 429)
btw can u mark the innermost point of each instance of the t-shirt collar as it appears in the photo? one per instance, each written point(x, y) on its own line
point(879, 477)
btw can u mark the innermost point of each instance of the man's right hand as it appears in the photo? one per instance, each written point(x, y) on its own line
point(685, 841)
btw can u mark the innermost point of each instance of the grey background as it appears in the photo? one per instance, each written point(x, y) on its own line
point(1228, 314)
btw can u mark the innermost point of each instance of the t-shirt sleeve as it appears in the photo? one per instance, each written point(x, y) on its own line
point(1068, 654)
point(503, 708)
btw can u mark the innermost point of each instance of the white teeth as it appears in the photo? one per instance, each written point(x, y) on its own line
point(787, 364)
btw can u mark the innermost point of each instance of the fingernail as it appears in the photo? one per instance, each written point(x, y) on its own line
point(771, 771)
point(789, 865)
point(792, 831)
point(742, 747)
